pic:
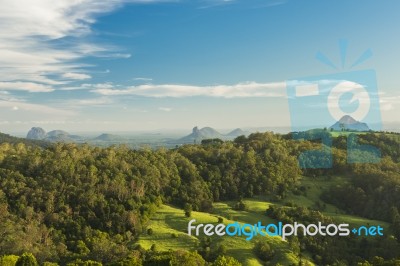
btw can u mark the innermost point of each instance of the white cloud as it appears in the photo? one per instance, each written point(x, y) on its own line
point(214, 3)
point(25, 86)
point(143, 79)
point(34, 109)
point(248, 89)
point(388, 103)
point(113, 55)
point(102, 101)
point(165, 109)
point(32, 43)
point(77, 76)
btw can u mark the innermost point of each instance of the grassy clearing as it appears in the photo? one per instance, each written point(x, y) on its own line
point(345, 133)
point(315, 187)
point(170, 232)
point(357, 221)
point(170, 225)
point(255, 211)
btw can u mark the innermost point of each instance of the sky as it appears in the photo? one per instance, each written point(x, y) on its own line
point(137, 65)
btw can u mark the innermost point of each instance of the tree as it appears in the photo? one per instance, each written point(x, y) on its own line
point(132, 260)
point(263, 250)
point(8, 260)
point(188, 210)
point(184, 258)
point(240, 205)
point(226, 261)
point(26, 259)
point(79, 262)
point(294, 244)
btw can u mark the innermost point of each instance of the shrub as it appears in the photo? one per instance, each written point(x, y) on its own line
point(188, 209)
point(226, 261)
point(8, 260)
point(153, 247)
point(263, 250)
point(240, 205)
point(27, 259)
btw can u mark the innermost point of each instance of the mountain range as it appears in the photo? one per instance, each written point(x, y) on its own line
point(197, 135)
point(38, 133)
point(346, 123)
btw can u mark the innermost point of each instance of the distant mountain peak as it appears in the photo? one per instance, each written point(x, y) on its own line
point(348, 123)
point(39, 133)
point(36, 133)
point(198, 135)
point(108, 137)
point(236, 133)
point(347, 119)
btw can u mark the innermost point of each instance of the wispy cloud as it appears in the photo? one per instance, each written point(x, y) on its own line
point(248, 89)
point(34, 109)
point(77, 76)
point(143, 79)
point(389, 102)
point(165, 109)
point(90, 102)
point(25, 86)
point(214, 3)
point(34, 46)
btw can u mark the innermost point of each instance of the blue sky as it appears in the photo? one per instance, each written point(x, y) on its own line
point(145, 65)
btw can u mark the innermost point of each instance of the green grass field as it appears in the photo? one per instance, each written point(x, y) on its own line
point(169, 220)
point(345, 133)
point(169, 224)
point(315, 187)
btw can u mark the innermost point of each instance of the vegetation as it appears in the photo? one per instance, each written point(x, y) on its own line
point(76, 204)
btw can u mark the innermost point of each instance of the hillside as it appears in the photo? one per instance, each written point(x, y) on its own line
point(170, 232)
point(131, 207)
point(5, 138)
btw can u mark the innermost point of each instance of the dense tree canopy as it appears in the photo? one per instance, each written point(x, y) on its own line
point(82, 205)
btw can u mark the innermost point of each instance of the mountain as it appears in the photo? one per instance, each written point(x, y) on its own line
point(348, 123)
point(37, 133)
point(236, 133)
point(61, 135)
point(108, 137)
point(198, 135)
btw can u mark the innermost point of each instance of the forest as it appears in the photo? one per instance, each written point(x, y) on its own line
point(77, 204)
